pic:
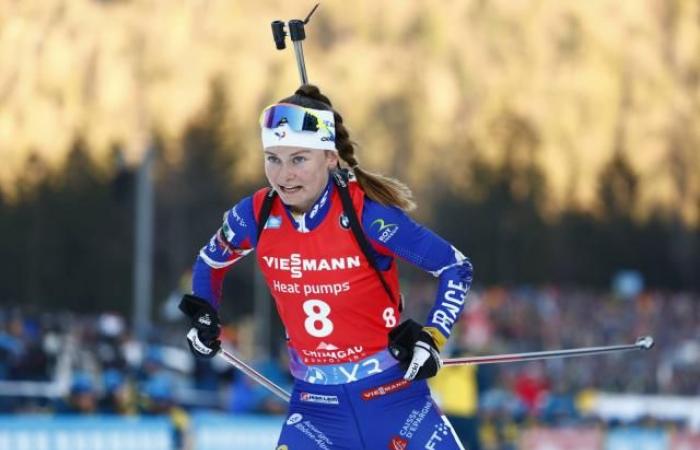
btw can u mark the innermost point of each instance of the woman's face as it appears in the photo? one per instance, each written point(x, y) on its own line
point(298, 175)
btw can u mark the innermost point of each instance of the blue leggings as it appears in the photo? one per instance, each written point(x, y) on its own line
point(376, 413)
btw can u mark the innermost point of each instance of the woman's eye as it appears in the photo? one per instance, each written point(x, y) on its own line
point(273, 159)
point(298, 159)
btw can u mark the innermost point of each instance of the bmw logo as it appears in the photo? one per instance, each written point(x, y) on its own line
point(344, 222)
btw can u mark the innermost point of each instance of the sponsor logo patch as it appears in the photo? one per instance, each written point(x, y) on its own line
point(385, 389)
point(386, 230)
point(228, 232)
point(398, 443)
point(344, 222)
point(309, 430)
point(329, 353)
point(205, 319)
point(297, 265)
point(273, 222)
point(318, 205)
point(441, 431)
point(315, 376)
point(294, 418)
point(237, 217)
point(325, 346)
point(213, 244)
point(318, 398)
point(414, 420)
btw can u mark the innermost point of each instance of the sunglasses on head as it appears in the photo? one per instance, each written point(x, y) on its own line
point(296, 117)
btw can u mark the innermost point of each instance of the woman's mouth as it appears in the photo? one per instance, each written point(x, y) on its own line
point(290, 189)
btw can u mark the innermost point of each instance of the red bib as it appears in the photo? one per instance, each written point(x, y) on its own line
point(329, 298)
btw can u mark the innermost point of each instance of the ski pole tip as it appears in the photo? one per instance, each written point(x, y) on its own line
point(645, 342)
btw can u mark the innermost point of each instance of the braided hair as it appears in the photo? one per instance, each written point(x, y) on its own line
point(384, 190)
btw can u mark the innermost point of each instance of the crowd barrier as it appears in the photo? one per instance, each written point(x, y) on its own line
point(85, 433)
point(616, 439)
point(223, 432)
point(243, 432)
point(628, 407)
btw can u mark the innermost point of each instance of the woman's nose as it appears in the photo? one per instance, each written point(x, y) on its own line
point(287, 172)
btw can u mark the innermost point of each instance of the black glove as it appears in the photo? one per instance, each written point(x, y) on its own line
point(203, 337)
point(415, 350)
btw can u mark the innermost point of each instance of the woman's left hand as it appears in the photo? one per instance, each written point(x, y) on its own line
point(415, 349)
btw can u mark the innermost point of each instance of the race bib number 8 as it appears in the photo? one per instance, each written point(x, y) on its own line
point(389, 317)
point(317, 323)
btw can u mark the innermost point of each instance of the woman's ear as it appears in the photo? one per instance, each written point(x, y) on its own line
point(331, 159)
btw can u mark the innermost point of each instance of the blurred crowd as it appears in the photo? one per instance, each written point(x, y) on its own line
point(76, 364)
point(520, 320)
point(560, 391)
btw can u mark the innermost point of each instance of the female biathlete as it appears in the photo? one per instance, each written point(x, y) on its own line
point(327, 234)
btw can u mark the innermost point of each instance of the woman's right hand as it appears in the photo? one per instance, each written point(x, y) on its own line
point(203, 337)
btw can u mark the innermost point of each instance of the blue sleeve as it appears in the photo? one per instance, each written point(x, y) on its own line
point(392, 229)
point(235, 239)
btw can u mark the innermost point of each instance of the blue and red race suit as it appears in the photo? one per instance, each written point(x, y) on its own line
point(336, 313)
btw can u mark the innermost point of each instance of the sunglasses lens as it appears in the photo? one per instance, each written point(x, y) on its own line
point(294, 116)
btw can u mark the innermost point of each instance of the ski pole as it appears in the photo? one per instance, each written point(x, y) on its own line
point(642, 343)
point(254, 374)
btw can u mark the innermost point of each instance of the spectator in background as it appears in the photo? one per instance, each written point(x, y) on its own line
point(502, 413)
point(23, 348)
point(82, 398)
point(108, 346)
point(11, 349)
point(117, 397)
point(159, 400)
point(531, 385)
point(558, 406)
